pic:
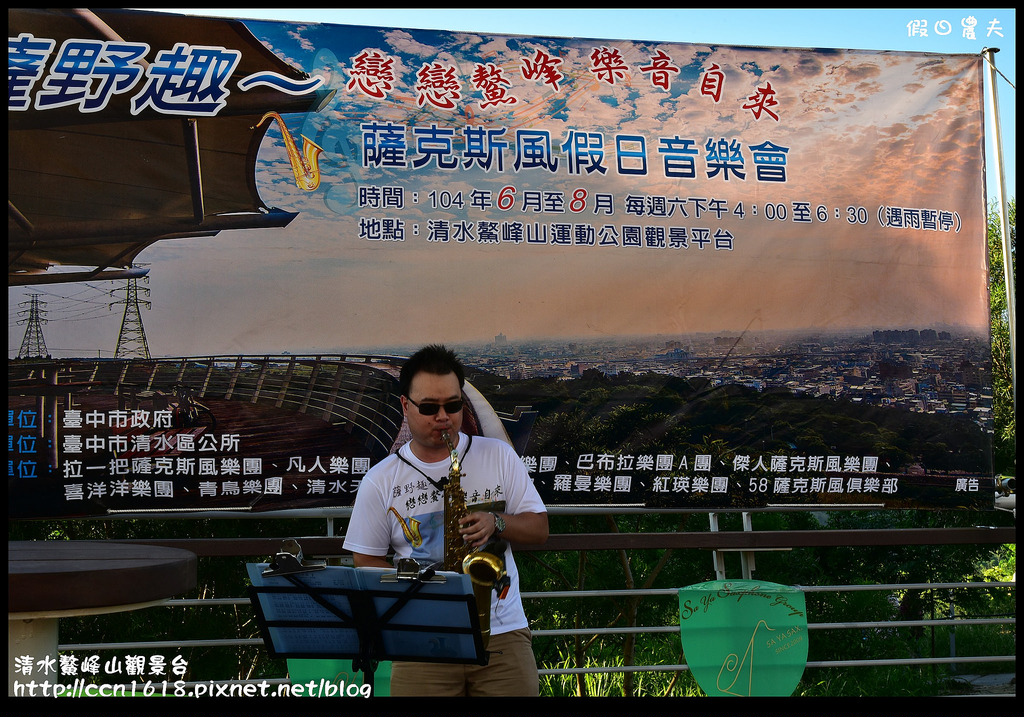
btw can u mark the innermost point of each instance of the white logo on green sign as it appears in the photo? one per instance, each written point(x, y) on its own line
point(744, 637)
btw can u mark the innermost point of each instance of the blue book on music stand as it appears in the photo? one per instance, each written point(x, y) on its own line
point(366, 614)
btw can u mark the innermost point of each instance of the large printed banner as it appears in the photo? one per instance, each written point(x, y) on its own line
point(681, 275)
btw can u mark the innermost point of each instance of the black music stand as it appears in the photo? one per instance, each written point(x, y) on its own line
point(365, 614)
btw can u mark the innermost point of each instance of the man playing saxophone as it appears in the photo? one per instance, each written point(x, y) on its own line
point(400, 505)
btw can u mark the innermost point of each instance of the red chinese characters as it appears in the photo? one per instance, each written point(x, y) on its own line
point(607, 65)
point(712, 81)
point(372, 74)
point(761, 101)
point(438, 85)
point(660, 69)
point(491, 81)
point(544, 67)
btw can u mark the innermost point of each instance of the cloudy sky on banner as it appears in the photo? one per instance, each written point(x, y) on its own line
point(863, 132)
point(865, 129)
point(948, 30)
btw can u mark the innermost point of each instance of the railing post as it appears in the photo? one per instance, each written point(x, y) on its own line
point(747, 563)
point(717, 556)
point(747, 556)
point(954, 668)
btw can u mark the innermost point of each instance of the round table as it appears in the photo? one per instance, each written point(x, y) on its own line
point(51, 579)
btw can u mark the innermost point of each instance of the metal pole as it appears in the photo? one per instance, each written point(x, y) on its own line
point(747, 556)
point(717, 557)
point(997, 141)
point(952, 632)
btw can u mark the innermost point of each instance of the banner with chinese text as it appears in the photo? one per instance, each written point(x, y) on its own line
point(681, 275)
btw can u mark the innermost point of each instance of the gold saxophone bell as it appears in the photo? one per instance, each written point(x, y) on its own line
point(486, 565)
point(305, 164)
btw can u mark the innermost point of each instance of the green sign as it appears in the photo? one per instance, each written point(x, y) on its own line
point(744, 637)
point(338, 678)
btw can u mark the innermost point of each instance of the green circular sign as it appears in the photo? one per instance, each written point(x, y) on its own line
point(744, 638)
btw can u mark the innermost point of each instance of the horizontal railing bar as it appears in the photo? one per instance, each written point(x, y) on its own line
point(206, 602)
point(776, 539)
point(673, 592)
point(163, 644)
point(574, 631)
point(637, 630)
point(566, 632)
point(957, 622)
point(903, 586)
point(315, 546)
point(836, 663)
point(650, 592)
point(914, 661)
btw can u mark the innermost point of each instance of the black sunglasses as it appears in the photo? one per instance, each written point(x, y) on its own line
point(431, 409)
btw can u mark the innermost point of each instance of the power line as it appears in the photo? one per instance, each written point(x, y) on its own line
point(90, 302)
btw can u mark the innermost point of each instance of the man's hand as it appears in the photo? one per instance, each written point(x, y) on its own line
point(477, 528)
point(524, 528)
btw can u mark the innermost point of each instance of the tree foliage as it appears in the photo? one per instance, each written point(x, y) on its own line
point(1002, 367)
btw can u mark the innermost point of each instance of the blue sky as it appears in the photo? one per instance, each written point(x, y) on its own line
point(911, 29)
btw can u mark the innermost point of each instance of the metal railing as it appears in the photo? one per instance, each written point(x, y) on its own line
point(260, 548)
point(853, 625)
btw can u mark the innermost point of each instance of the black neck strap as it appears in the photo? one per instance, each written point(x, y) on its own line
point(444, 481)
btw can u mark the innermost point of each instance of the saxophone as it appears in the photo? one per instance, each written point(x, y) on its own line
point(305, 164)
point(485, 565)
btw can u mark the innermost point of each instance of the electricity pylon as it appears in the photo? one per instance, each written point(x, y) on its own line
point(33, 345)
point(131, 341)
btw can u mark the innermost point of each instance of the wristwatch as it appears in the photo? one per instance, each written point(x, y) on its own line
point(499, 524)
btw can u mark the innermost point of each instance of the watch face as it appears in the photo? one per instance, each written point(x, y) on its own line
point(499, 524)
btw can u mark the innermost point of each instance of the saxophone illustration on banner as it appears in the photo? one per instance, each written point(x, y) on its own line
point(305, 164)
point(733, 664)
point(485, 565)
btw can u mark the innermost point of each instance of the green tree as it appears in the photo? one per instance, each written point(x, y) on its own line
point(1005, 444)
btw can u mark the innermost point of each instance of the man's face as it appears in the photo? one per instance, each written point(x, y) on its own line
point(428, 389)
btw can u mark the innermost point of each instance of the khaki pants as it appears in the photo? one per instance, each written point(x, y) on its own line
point(511, 672)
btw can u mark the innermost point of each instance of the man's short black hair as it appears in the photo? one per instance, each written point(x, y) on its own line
point(436, 359)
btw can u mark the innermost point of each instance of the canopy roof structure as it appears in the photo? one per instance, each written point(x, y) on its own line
point(93, 189)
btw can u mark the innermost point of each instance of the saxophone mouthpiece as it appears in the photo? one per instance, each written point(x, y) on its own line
point(456, 468)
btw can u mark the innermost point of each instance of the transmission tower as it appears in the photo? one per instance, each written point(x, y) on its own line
point(131, 341)
point(33, 345)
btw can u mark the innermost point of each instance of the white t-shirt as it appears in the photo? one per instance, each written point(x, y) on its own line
point(397, 506)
